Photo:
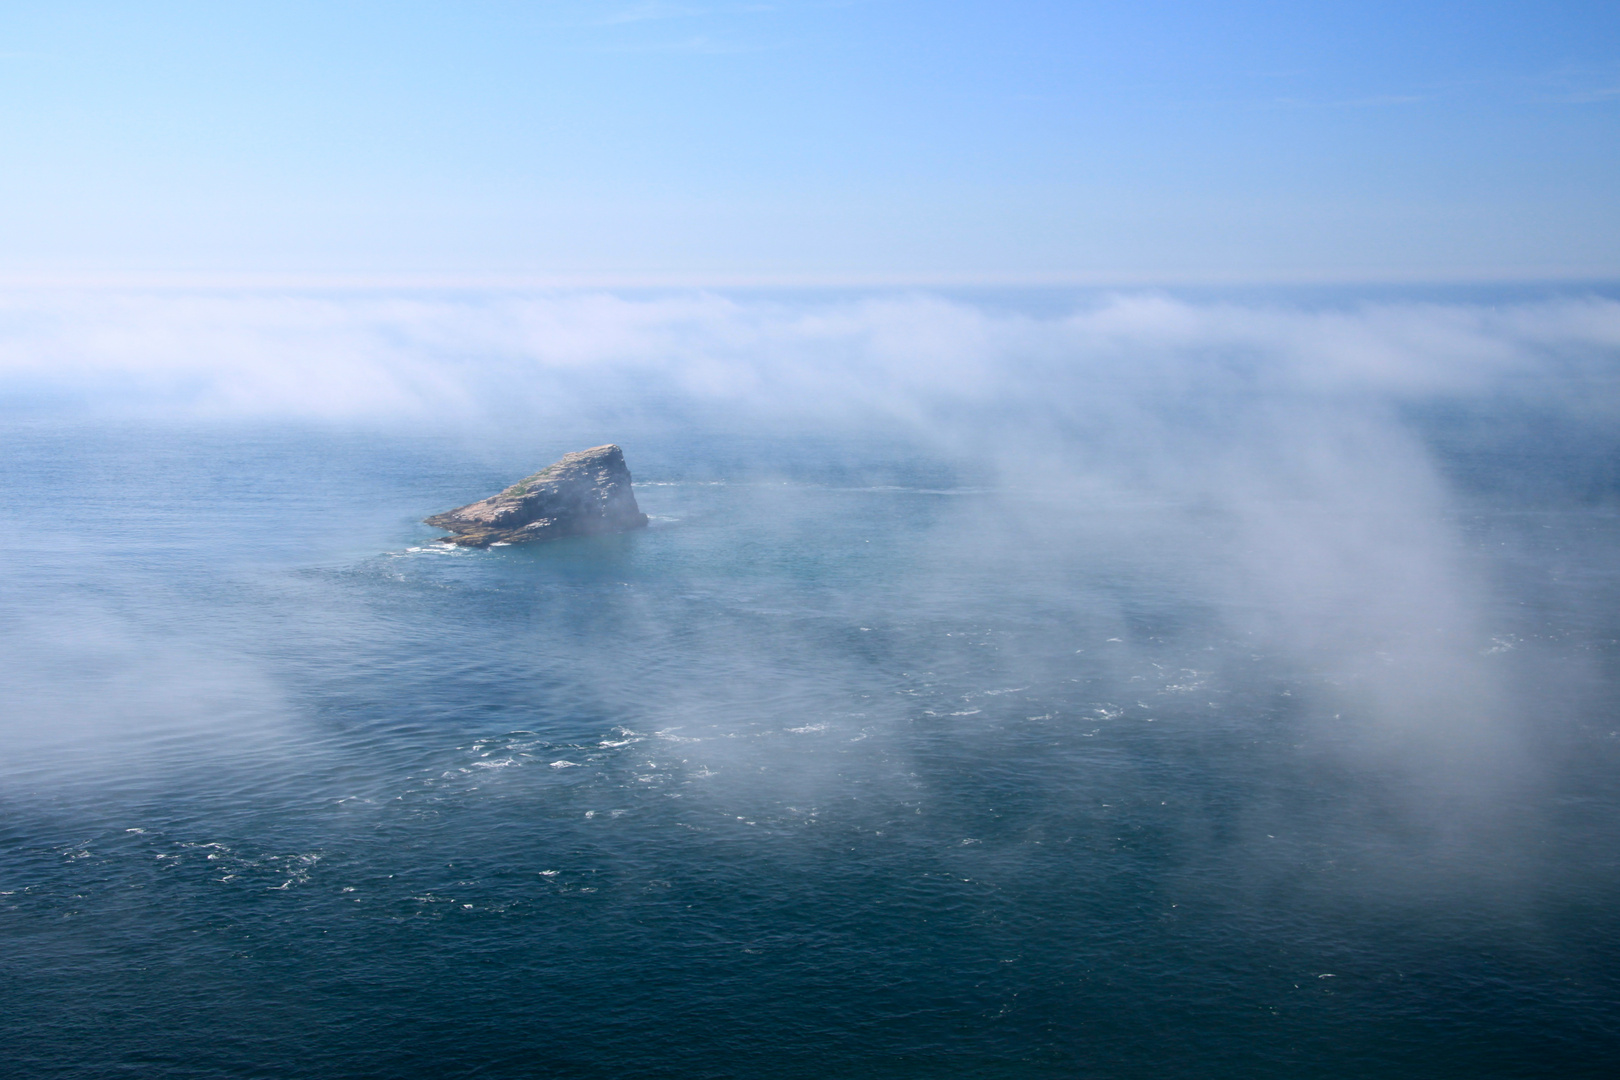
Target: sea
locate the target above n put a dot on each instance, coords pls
(1213, 721)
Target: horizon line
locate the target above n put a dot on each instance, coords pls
(562, 282)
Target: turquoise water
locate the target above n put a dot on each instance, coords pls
(862, 760)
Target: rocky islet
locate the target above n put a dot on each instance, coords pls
(584, 493)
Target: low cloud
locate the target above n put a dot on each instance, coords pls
(908, 358)
(1287, 467)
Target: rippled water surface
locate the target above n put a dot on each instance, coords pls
(856, 762)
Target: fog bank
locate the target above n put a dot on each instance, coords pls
(1304, 474)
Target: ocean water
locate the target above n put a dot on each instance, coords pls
(870, 757)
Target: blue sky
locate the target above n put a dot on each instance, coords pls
(881, 141)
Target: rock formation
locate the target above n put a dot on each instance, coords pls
(581, 494)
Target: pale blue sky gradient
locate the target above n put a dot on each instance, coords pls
(865, 141)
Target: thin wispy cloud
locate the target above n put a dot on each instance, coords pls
(698, 43)
(652, 12)
(1593, 96)
(1573, 84)
(660, 12)
(1371, 101)
(656, 11)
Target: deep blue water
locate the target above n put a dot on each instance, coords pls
(858, 762)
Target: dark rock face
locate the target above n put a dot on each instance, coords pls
(582, 494)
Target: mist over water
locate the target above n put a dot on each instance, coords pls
(1130, 685)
